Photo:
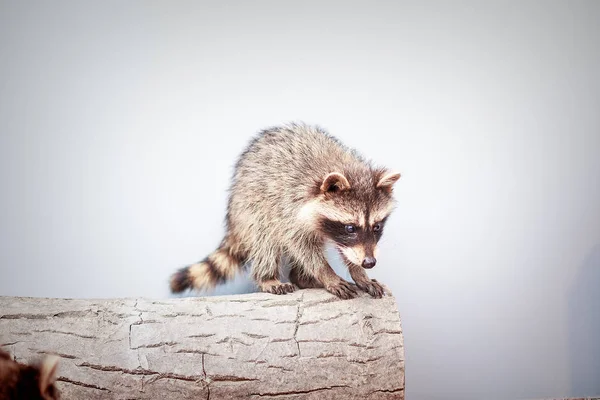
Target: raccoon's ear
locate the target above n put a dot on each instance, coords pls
(48, 370)
(334, 182)
(387, 180)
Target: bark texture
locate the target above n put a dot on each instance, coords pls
(304, 345)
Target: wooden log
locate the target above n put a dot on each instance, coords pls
(304, 345)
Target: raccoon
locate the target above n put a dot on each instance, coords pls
(31, 382)
(295, 189)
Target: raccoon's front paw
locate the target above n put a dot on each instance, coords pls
(279, 288)
(342, 289)
(372, 287)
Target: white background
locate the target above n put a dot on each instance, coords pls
(120, 123)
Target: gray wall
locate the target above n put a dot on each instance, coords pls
(120, 123)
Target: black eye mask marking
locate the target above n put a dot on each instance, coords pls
(338, 232)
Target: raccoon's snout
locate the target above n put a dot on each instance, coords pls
(369, 262)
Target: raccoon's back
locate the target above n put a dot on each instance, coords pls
(282, 166)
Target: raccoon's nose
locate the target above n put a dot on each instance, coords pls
(369, 262)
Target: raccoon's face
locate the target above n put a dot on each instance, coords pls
(351, 210)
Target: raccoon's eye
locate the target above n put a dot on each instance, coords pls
(376, 227)
(350, 229)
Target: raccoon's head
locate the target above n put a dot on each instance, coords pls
(350, 209)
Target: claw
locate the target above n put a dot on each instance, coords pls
(288, 288)
(344, 290)
(373, 288)
(282, 288)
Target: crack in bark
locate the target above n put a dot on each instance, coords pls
(175, 315)
(63, 314)
(368, 360)
(141, 321)
(74, 314)
(330, 355)
(281, 368)
(299, 311)
(242, 301)
(294, 392)
(159, 303)
(110, 368)
(10, 343)
(184, 351)
(154, 345)
(230, 378)
(24, 316)
(257, 362)
(155, 376)
(62, 355)
(226, 316)
(87, 385)
(143, 372)
(231, 340)
(291, 321)
(323, 341)
(279, 340)
(310, 323)
(255, 336)
(389, 331)
(205, 379)
(146, 322)
(66, 333)
(397, 390)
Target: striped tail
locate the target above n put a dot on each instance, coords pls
(219, 267)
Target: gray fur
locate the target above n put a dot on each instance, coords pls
(279, 173)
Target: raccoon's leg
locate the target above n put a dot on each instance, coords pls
(300, 278)
(333, 283)
(311, 269)
(363, 281)
(322, 275)
(266, 273)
